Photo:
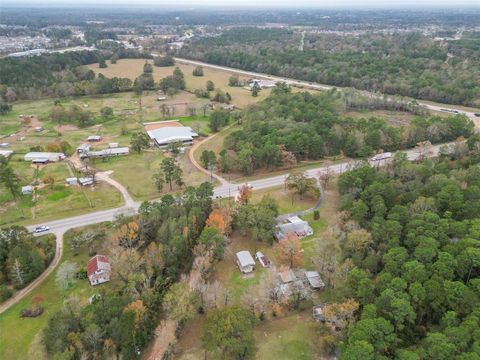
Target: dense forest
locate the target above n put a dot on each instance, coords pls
(288, 127)
(411, 233)
(406, 64)
(22, 258)
(148, 254)
(60, 75)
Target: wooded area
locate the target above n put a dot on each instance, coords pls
(405, 64)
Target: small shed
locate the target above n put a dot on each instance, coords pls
(71, 181)
(287, 276)
(245, 262)
(94, 138)
(27, 190)
(83, 148)
(6, 153)
(85, 181)
(113, 145)
(4, 145)
(314, 280)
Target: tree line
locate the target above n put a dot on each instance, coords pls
(408, 64)
(289, 127)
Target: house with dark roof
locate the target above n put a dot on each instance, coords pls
(98, 270)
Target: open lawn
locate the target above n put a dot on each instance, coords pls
(136, 171)
(131, 68)
(53, 202)
(287, 200)
(21, 338)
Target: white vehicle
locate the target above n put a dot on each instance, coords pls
(262, 259)
(381, 156)
(40, 229)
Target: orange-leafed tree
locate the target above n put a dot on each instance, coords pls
(139, 309)
(221, 220)
(291, 252)
(341, 314)
(244, 194)
(127, 235)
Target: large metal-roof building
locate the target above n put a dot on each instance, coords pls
(166, 135)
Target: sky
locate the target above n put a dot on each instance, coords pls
(256, 3)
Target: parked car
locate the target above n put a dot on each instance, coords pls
(262, 259)
(40, 229)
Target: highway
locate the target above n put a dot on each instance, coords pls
(322, 87)
(225, 190)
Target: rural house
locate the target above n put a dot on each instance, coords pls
(98, 270)
(43, 157)
(245, 262)
(294, 225)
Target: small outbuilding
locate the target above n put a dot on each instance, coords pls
(6, 153)
(294, 225)
(43, 157)
(27, 190)
(83, 148)
(314, 280)
(4, 145)
(245, 262)
(98, 270)
(94, 138)
(85, 181)
(71, 181)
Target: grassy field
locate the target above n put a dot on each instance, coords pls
(53, 202)
(21, 338)
(132, 68)
(136, 172)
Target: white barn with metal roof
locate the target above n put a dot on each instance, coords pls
(166, 135)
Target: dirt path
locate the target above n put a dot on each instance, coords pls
(105, 176)
(191, 156)
(19, 295)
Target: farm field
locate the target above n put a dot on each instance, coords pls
(131, 68)
(21, 338)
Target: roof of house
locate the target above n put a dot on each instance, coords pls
(314, 279)
(169, 134)
(245, 258)
(94, 138)
(295, 219)
(44, 155)
(301, 228)
(109, 152)
(287, 276)
(96, 263)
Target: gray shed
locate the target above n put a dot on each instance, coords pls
(245, 262)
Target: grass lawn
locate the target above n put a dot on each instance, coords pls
(287, 200)
(20, 338)
(290, 337)
(57, 202)
(132, 68)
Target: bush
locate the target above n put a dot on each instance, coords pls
(31, 313)
(5, 293)
(316, 215)
(166, 60)
(198, 71)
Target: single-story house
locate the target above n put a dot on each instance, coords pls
(293, 225)
(166, 135)
(6, 153)
(85, 181)
(27, 190)
(98, 270)
(43, 157)
(119, 151)
(83, 148)
(245, 262)
(71, 181)
(94, 138)
(314, 280)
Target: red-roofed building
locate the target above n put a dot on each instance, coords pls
(98, 270)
